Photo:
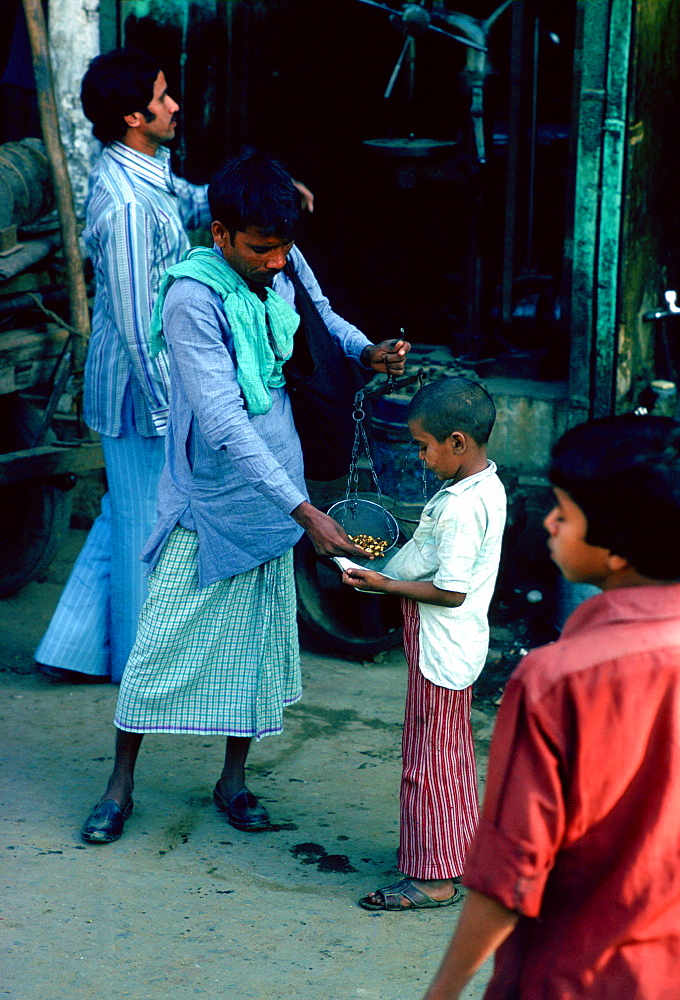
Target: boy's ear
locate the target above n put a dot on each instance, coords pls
(458, 442)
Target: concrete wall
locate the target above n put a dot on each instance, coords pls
(74, 40)
(530, 417)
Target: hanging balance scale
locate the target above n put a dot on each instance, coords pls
(348, 621)
(369, 523)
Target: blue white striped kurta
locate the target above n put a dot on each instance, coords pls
(137, 217)
(137, 212)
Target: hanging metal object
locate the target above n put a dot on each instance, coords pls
(357, 515)
(415, 19)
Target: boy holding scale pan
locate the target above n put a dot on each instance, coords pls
(445, 576)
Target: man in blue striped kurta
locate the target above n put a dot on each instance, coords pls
(137, 215)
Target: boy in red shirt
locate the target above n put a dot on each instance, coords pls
(574, 873)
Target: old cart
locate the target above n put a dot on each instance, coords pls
(38, 466)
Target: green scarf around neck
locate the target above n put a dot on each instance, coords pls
(259, 365)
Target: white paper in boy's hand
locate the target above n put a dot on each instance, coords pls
(344, 564)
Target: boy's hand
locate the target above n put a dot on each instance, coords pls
(366, 579)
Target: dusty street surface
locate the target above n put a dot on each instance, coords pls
(184, 905)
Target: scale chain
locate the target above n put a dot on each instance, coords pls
(360, 437)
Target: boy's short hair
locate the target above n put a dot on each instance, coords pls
(255, 190)
(454, 404)
(624, 474)
(117, 83)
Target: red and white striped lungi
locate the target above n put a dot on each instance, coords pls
(439, 807)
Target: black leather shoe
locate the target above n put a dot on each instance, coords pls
(105, 823)
(244, 811)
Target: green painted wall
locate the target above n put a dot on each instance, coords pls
(650, 259)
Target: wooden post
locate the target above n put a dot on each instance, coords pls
(80, 316)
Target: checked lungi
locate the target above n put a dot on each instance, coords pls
(439, 806)
(222, 659)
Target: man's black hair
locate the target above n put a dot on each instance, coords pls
(624, 474)
(454, 404)
(116, 84)
(255, 190)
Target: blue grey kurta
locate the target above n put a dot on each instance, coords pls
(231, 477)
(216, 650)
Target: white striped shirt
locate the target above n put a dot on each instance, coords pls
(137, 214)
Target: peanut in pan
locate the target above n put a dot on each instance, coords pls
(376, 546)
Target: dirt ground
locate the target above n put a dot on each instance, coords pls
(184, 905)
